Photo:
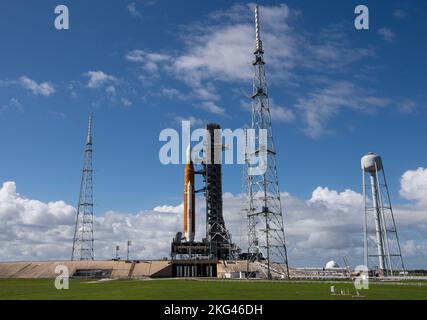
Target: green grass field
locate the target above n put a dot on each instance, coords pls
(202, 289)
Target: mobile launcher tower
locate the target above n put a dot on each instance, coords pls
(192, 258)
(382, 254)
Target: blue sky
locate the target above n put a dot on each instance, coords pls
(45, 139)
(141, 66)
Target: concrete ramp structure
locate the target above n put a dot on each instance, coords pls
(111, 269)
(139, 269)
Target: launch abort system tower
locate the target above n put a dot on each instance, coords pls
(83, 248)
(262, 205)
(381, 242)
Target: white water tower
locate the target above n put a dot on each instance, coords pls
(381, 243)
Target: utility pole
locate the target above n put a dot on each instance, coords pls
(129, 243)
(117, 252)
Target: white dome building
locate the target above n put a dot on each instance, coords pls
(331, 265)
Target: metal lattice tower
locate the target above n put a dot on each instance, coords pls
(381, 242)
(262, 205)
(83, 248)
(216, 232)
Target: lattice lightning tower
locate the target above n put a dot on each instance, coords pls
(262, 205)
(83, 248)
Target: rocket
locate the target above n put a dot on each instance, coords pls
(189, 199)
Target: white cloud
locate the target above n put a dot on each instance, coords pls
(224, 53)
(197, 122)
(387, 34)
(13, 104)
(400, 14)
(99, 79)
(149, 60)
(329, 49)
(211, 107)
(320, 106)
(219, 49)
(413, 185)
(126, 102)
(31, 229)
(72, 89)
(222, 48)
(43, 88)
(206, 92)
(281, 114)
(169, 209)
(407, 106)
(132, 9)
(172, 93)
(59, 115)
(32, 212)
(413, 248)
(110, 89)
(324, 227)
(345, 200)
